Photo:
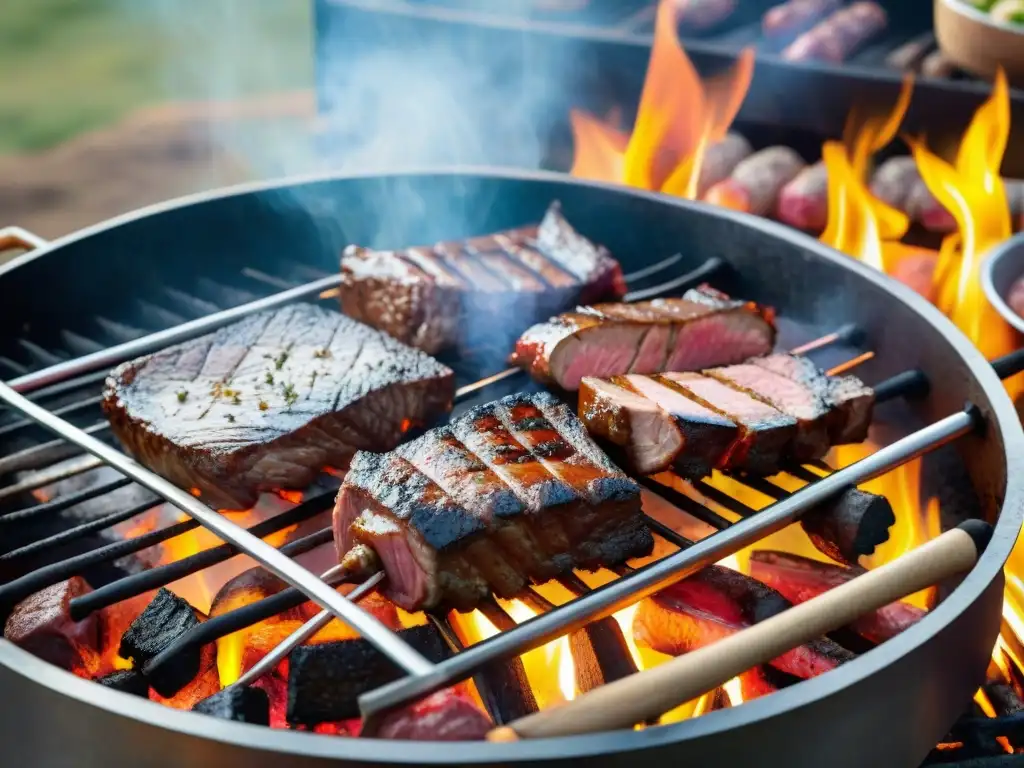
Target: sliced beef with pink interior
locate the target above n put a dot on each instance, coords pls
(484, 290)
(850, 401)
(617, 415)
(765, 433)
(42, 625)
(703, 329)
(790, 397)
(441, 543)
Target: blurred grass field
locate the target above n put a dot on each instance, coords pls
(68, 66)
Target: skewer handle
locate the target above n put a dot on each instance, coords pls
(648, 694)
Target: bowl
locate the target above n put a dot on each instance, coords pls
(976, 43)
(999, 271)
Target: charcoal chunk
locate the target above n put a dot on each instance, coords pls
(849, 525)
(126, 681)
(238, 703)
(324, 680)
(165, 619)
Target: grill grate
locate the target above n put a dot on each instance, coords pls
(590, 604)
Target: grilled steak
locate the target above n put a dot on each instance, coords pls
(851, 402)
(511, 492)
(270, 401)
(705, 328)
(752, 417)
(437, 297)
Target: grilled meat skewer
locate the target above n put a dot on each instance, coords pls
(551, 501)
(751, 417)
(433, 297)
(704, 328)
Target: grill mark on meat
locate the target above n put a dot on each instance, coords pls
(268, 402)
(440, 456)
(471, 269)
(441, 540)
(851, 402)
(553, 274)
(707, 434)
(598, 485)
(483, 433)
(765, 433)
(804, 405)
(701, 330)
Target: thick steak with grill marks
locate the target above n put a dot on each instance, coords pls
(270, 401)
(704, 328)
(752, 417)
(477, 291)
(511, 492)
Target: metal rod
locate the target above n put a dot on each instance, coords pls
(654, 269)
(154, 341)
(649, 579)
(99, 524)
(53, 474)
(64, 502)
(162, 575)
(684, 503)
(64, 410)
(375, 632)
(306, 631)
(49, 452)
(688, 280)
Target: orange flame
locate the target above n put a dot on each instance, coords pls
(972, 190)
(679, 115)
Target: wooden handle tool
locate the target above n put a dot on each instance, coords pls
(646, 695)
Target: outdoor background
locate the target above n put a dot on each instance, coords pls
(108, 105)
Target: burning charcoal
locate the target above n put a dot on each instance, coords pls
(600, 655)
(448, 715)
(200, 687)
(799, 579)
(326, 679)
(42, 625)
(238, 703)
(717, 602)
(126, 681)
(165, 619)
(849, 525)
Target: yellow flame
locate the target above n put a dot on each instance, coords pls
(734, 691)
(972, 190)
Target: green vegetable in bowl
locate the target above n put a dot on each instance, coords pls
(1008, 11)
(981, 5)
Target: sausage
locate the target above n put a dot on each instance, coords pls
(898, 183)
(756, 182)
(840, 35)
(916, 270)
(720, 161)
(803, 202)
(789, 19)
(703, 14)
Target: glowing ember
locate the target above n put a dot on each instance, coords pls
(679, 115)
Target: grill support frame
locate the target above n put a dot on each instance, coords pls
(783, 721)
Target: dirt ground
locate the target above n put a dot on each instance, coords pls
(152, 155)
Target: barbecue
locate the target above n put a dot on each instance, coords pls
(433, 298)
(702, 329)
(755, 272)
(565, 504)
(268, 402)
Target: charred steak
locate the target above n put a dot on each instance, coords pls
(511, 492)
(702, 329)
(753, 416)
(468, 291)
(270, 401)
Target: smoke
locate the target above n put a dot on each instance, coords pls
(392, 93)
